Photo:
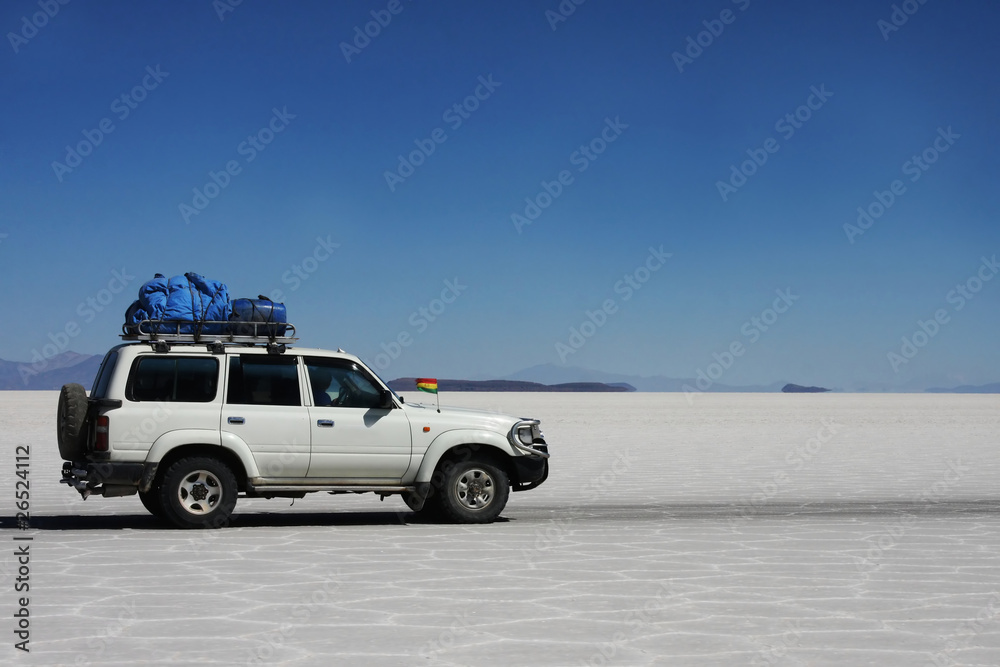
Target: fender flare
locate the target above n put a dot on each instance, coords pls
(495, 442)
(174, 439)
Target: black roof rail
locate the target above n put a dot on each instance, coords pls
(213, 333)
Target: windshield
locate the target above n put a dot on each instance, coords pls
(386, 384)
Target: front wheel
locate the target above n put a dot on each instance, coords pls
(198, 492)
(472, 491)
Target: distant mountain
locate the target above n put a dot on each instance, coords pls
(409, 384)
(799, 389)
(51, 373)
(553, 374)
(993, 388)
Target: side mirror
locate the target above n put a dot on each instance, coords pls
(386, 402)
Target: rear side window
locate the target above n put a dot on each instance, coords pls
(103, 379)
(263, 380)
(174, 379)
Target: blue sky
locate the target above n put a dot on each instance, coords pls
(642, 139)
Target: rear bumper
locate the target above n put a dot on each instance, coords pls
(108, 479)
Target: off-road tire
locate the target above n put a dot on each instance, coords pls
(471, 491)
(431, 512)
(198, 492)
(151, 501)
(71, 420)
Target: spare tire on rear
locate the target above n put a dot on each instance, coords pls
(71, 417)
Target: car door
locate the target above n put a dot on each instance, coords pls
(354, 440)
(264, 409)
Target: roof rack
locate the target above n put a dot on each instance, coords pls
(210, 332)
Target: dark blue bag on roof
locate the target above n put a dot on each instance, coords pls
(246, 312)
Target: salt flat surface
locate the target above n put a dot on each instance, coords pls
(767, 529)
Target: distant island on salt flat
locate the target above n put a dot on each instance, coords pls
(799, 389)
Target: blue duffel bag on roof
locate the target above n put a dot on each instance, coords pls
(174, 303)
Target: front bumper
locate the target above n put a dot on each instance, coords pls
(530, 471)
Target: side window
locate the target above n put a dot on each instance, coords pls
(256, 379)
(174, 379)
(339, 383)
(103, 379)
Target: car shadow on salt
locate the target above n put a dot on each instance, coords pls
(238, 520)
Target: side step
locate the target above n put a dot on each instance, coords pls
(346, 488)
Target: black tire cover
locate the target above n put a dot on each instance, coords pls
(71, 416)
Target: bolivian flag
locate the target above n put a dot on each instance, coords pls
(430, 385)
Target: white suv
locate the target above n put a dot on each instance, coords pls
(191, 424)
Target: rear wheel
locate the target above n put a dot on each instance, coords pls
(472, 491)
(151, 501)
(198, 492)
(71, 415)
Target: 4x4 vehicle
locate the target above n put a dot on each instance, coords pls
(191, 424)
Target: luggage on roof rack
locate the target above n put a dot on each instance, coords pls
(192, 309)
(248, 314)
(199, 305)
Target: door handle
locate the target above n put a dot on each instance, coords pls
(237, 420)
(324, 422)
